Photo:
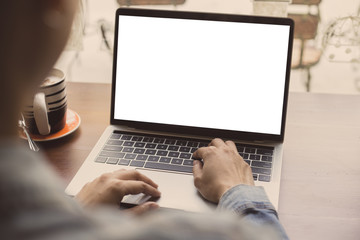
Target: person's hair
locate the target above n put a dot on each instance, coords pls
(29, 45)
(27, 42)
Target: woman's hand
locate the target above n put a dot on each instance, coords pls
(222, 169)
(110, 188)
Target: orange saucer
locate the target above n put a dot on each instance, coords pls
(73, 121)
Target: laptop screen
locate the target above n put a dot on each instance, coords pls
(209, 74)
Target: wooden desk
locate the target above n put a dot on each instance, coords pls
(92, 103)
(320, 193)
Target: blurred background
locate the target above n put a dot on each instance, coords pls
(326, 56)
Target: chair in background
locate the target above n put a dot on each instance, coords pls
(309, 4)
(305, 54)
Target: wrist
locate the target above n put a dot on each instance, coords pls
(242, 197)
(226, 188)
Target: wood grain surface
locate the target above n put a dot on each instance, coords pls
(92, 103)
(320, 193)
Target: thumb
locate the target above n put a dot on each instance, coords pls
(143, 208)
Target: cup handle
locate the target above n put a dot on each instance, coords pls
(40, 113)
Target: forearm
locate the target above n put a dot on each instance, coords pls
(253, 205)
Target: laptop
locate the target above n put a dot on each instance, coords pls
(181, 79)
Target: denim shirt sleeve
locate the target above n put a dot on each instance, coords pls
(253, 205)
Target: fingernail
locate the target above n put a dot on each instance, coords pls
(154, 206)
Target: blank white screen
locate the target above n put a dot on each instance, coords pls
(209, 74)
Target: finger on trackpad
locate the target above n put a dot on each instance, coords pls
(137, 199)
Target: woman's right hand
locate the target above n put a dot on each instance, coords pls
(221, 169)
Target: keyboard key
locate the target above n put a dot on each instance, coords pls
(115, 136)
(247, 161)
(203, 144)
(261, 164)
(135, 163)
(188, 162)
(159, 140)
(139, 144)
(181, 143)
(184, 149)
(139, 151)
(170, 141)
(168, 167)
(165, 159)
(130, 156)
(173, 148)
(267, 158)
(264, 178)
(162, 153)
(148, 139)
(112, 148)
(101, 159)
(111, 154)
(177, 161)
(255, 176)
(136, 138)
(141, 157)
(193, 150)
(161, 147)
(115, 142)
(126, 137)
(244, 155)
(174, 154)
(128, 144)
(265, 152)
(153, 158)
(150, 145)
(112, 161)
(192, 144)
(250, 150)
(240, 149)
(128, 150)
(150, 152)
(255, 157)
(124, 162)
(264, 171)
(185, 155)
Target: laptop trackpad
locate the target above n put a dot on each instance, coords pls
(177, 191)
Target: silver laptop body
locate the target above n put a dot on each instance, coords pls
(195, 76)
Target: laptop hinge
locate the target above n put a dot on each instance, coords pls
(265, 142)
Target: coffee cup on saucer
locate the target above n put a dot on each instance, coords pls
(45, 112)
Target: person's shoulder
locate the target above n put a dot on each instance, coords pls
(173, 224)
(14, 157)
(25, 174)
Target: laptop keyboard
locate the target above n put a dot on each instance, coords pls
(174, 154)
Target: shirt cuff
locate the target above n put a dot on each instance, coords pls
(241, 198)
